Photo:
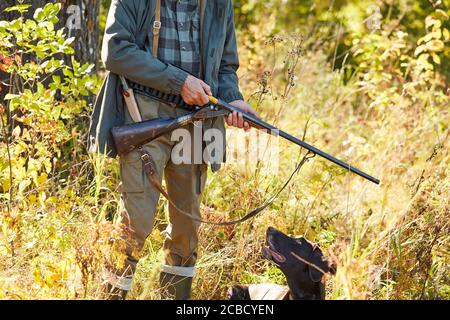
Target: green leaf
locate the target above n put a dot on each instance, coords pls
(68, 73)
(431, 21)
(419, 50)
(22, 8)
(69, 41)
(39, 15)
(435, 46)
(436, 58)
(441, 14)
(10, 96)
(426, 38)
(446, 34)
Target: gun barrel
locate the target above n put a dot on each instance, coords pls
(263, 125)
(328, 157)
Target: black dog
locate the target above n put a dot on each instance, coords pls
(303, 264)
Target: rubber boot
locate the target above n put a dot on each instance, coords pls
(113, 293)
(175, 287)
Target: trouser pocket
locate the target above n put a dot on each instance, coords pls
(138, 204)
(131, 173)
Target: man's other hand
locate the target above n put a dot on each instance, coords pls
(236, 119)
(195, 92)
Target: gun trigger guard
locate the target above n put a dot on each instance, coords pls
(201, 114)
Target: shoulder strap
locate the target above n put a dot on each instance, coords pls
(150, 172)
(156, 28)
(127, 92)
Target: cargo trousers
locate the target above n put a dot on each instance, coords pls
(139, 198)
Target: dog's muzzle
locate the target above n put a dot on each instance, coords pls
(271, 254)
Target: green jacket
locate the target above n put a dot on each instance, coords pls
(123, 53)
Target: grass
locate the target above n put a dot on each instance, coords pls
(388, 242)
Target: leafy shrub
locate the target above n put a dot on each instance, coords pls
(50, 225)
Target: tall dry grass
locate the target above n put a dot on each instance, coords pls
(388, 242)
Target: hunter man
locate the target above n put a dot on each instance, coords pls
(185, 48)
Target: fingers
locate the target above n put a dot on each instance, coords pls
(240, 120)
(206, 92)
(237, 120)
(190, 99)
(206, 88)
(198, 100)
(201, 99)
(195, 91)
(229, 119)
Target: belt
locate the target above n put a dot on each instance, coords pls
(172, 99)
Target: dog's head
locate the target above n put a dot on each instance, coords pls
(303, 263)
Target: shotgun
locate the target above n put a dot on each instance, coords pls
(129, 137)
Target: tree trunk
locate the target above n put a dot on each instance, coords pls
(79, 17)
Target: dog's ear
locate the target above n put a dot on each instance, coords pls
(317, 259)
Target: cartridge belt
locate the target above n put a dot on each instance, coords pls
(172, 99)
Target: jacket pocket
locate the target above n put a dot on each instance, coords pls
(148, 107)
